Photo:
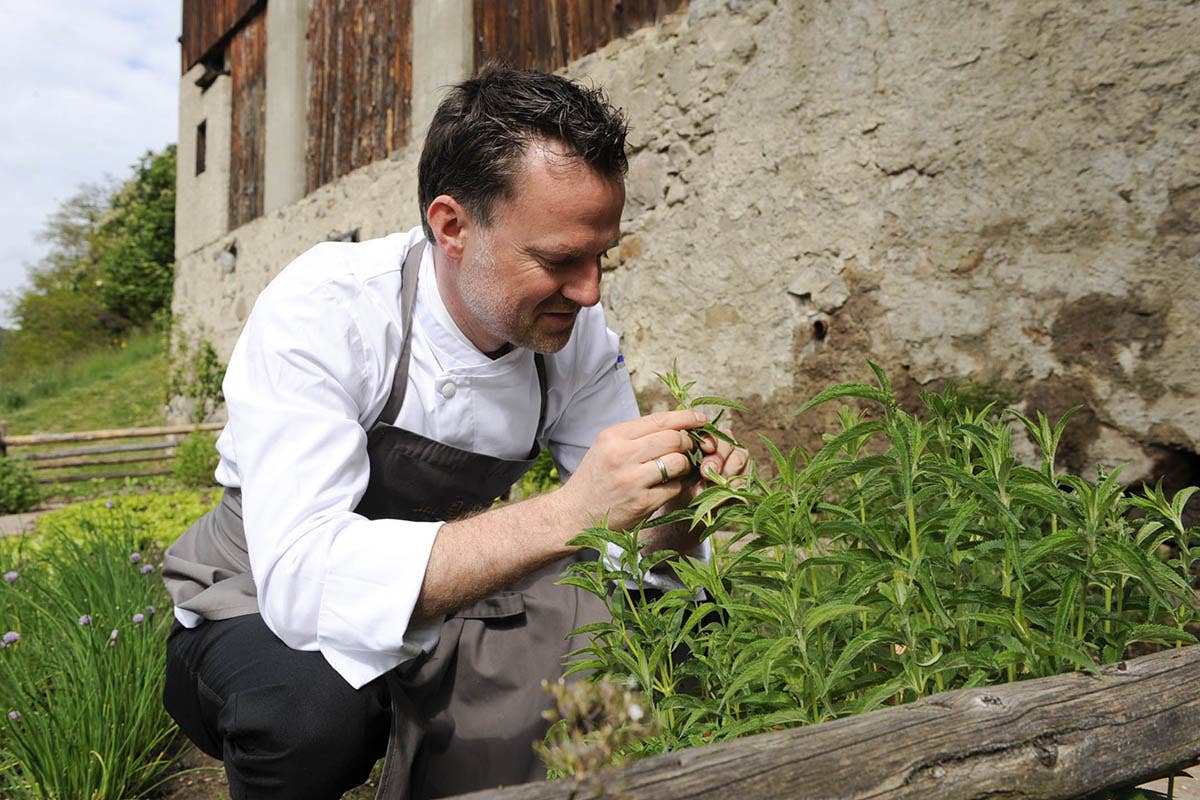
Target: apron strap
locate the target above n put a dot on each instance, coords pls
(409, 275)
(408, 294)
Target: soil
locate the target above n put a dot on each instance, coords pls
(199, 777)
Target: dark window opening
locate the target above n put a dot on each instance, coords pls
(201, 145)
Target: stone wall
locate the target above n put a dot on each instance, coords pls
(1002, 193)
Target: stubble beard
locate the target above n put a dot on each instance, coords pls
(484, 298)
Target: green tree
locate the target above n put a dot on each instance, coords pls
(135, 242)
(109, 267)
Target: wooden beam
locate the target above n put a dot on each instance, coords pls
(100, 449)
(1058, 737)
(99, 462)
(123, 433)
(104, 476)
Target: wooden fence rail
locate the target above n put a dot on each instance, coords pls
(48, 464)
(1060, 737)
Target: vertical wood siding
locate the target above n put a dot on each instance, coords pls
(248, 73)
(360, 84)
(207, 22)
(549, 34)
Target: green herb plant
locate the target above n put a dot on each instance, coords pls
(18, 488)
(909, 555)
(196, 460)
(82, 664)
(682, 393)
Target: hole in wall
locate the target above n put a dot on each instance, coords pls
(201, 145)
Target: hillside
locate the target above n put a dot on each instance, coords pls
(109, 389)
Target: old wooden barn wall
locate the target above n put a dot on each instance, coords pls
(248, 72)
(360, 84)
(549, 34)
(207, 22)
(359, 56)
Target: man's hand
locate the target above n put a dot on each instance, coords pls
(721, 460)
(620, 479)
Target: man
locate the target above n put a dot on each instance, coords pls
(350, 592)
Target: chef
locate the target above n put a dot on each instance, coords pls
(355, 591)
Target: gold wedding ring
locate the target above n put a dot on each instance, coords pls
(662, 470)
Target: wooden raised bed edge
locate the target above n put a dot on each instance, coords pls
(1059, 737)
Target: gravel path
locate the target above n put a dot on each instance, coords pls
(16, 524)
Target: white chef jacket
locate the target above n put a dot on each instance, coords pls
(310, 374)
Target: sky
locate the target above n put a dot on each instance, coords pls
(86, 88)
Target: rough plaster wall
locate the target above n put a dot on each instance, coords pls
(1003, 193)
(205, 197)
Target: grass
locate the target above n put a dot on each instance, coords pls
(111, 388)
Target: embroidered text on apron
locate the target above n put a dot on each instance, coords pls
(464, 717)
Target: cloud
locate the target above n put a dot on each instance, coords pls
(87, 89)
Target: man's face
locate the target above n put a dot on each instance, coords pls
(524, 277)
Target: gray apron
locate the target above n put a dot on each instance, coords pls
(465, 716)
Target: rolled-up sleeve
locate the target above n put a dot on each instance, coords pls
(299, 388)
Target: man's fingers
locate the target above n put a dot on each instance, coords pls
(736, 463)
(661, 421)
(667, 469)
(660, 443)
(727, 462)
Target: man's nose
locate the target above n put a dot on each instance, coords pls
(583, 285)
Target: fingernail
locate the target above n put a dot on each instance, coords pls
(701, 418)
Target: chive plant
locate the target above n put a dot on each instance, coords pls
(911, 554)
(82, 668)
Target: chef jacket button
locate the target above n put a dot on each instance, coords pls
(448, 389)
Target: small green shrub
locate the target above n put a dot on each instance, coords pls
(541, 477)
(196, 459)
(196, 373)
(19, 490)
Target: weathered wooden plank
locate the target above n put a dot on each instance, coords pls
(1059, 737)
(360, 84)
(549, 34)
(102, 461)
(248, 132)
(89, 476)
(113, 433)
(206, 23)
(104, 449)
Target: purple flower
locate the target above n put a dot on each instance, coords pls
(138, 619)
(12, 637)
(86, 619)
(147, 569)
(14, 715)
(151, 611)
(11, 576)
(135, 558)
(109, 504)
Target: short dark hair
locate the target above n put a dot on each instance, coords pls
(480, 132)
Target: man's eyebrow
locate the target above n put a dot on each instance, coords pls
(567, 254)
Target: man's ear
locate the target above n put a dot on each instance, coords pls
(449, 222)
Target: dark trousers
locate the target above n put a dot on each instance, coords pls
(231, 682)
(287, 725)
